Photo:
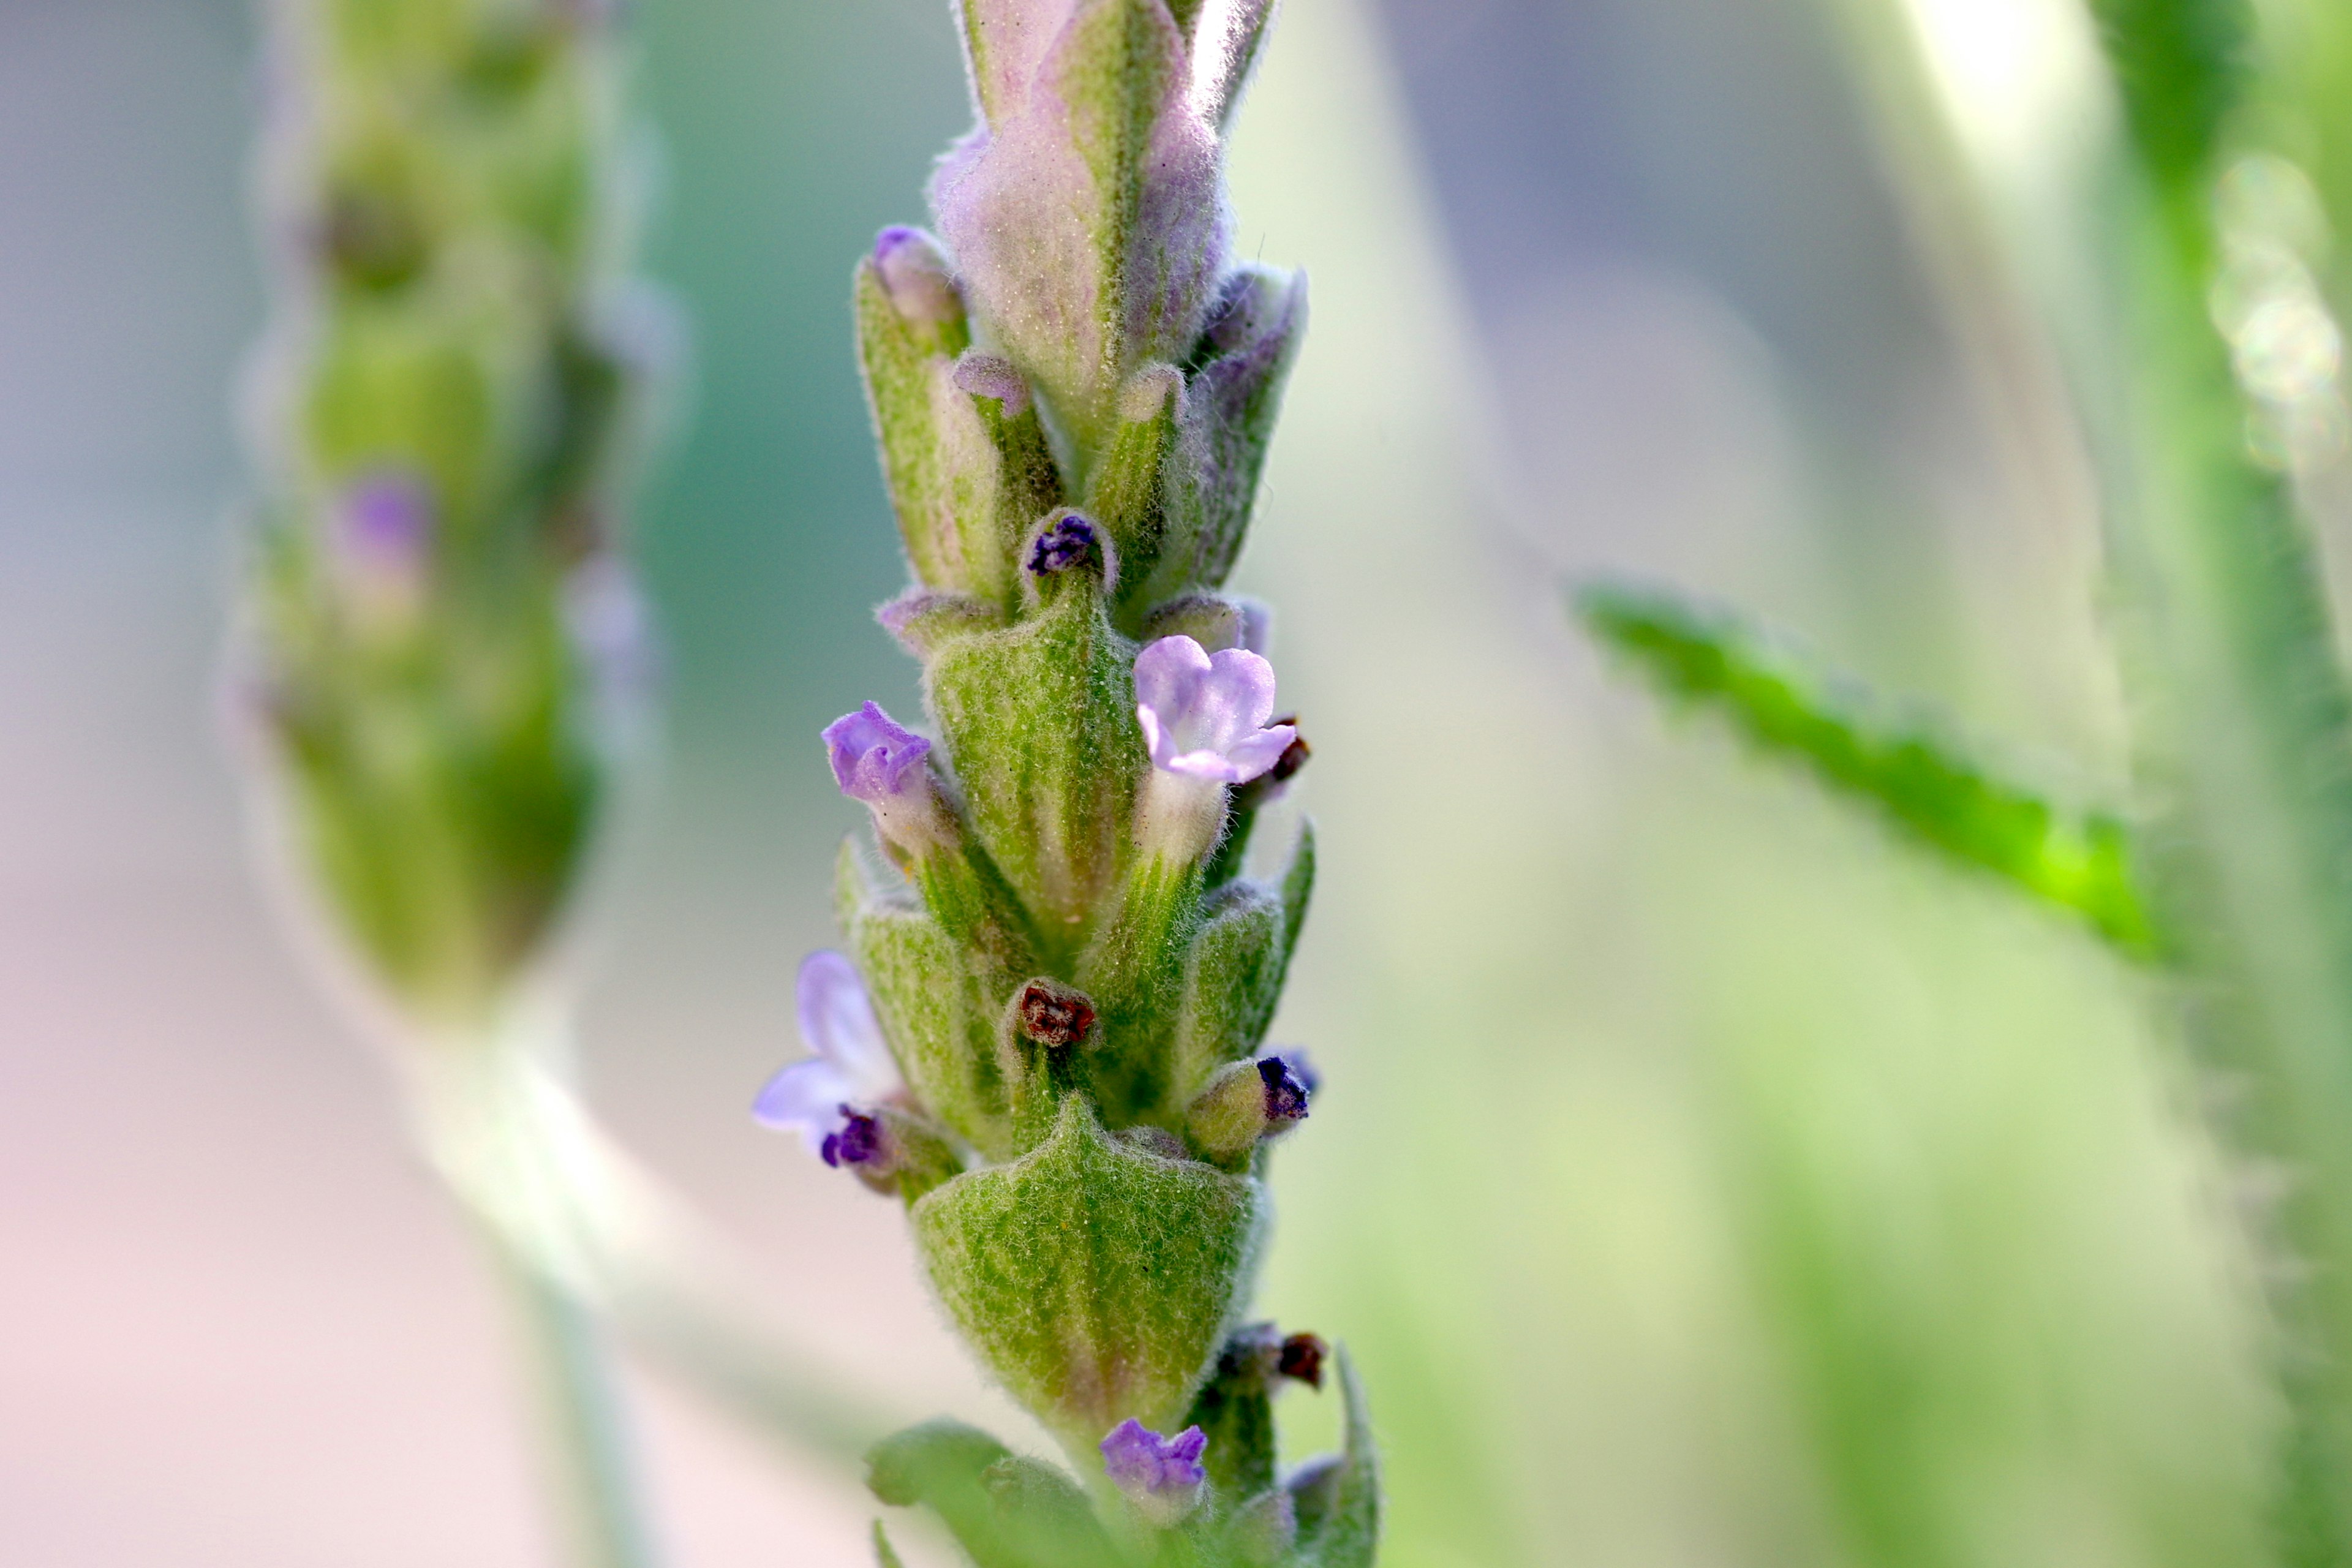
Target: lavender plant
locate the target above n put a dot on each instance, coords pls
(2202, 359)
(1048, 1036)
(443, 649)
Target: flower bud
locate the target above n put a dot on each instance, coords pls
(1232, 402)
(877, 762)
(1245, 1105)
(966, 459)
(1069, 541)
(914, 274)
(1087, 210)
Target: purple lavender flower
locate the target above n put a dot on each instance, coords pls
(914, 274)
(1204, 715)
(881, 762)
(829, 1098)
(1162, 1476)
(1064, 542)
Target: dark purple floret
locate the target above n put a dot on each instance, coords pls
(1067, 541)
(1285, 1092)
(859, 1141)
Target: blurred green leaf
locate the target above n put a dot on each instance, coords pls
(1704, 659)
(2182, 66)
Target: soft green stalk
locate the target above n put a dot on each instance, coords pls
(2244, 731)
(513, 1142)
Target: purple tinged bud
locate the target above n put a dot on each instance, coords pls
(1088, 209)
(873, 754)
(916, 275)
(857, 1143)
(1162, 1476)
(988, 375)
(1286, 1093)
(1065, 543)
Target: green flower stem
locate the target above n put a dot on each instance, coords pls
(593, 1484)
(570, 1212)
(2244, 723)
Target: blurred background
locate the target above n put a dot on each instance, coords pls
(1701, 1180)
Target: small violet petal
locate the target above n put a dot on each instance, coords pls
(1204, 715)
(873, 756)
(1146, 1466)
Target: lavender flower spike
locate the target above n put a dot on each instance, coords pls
(1162, 1476)
(829, 1098)
(879, 761)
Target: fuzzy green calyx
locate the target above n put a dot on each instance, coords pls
(1096, 1279)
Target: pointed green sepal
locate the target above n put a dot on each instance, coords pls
(1096, 1279)
(1127, 492)
(1336, 1500)
(1005, 1511)
(1040, 720)
(930, 1007)
(1232, 978)
(1135, 972)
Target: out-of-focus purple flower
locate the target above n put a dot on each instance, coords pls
(378, 551)
(848, 1074)
(879, 761)
(916, 275)
(1204, 715)
(1162, 1476)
